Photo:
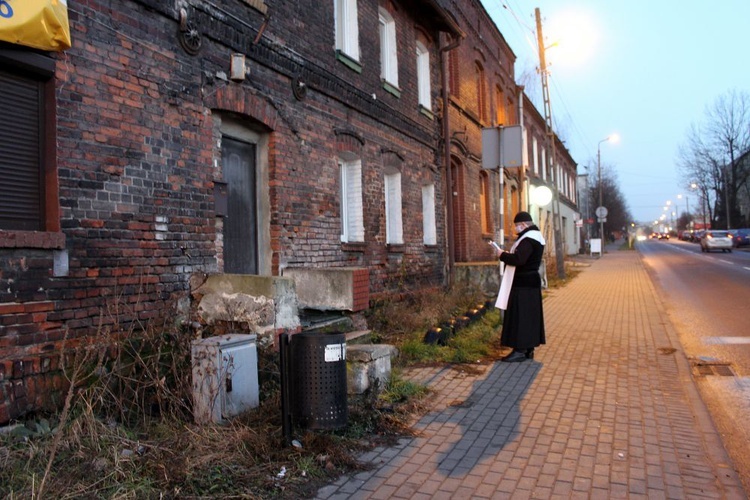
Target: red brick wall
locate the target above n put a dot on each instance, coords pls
(136, 157)
(361, 290)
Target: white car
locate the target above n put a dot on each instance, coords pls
(716, 240)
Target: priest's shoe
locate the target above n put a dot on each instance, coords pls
(515, 357)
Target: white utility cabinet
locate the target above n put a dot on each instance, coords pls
(225, 376)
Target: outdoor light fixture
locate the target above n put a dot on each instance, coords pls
(541, 196)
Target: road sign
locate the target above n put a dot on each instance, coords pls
(601, 212)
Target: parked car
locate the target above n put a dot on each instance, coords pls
(697, 235)
(685, 235)
(740, 237)
(716, 240)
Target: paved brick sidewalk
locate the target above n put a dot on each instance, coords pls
(608, 409)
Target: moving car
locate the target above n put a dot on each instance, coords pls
(716, 240)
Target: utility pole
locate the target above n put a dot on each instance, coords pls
(559, 252)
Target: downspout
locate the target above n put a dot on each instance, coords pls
(522, 178)
(447, 156)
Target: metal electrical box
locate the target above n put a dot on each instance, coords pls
(225, 376)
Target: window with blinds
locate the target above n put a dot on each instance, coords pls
(423, 76)
(22, 145)
(429, 228)
(352, 219)
(388, 48)
(394, 234)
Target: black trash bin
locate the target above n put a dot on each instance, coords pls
(318, 366)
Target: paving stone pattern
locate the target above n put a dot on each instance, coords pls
(602, 412)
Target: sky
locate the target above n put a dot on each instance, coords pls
(645, 70)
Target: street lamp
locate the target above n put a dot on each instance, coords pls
(614, 138)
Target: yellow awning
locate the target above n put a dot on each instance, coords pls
(42, 24)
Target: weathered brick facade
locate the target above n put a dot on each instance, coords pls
(140, 124)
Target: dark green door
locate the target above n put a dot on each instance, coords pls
(241, 223)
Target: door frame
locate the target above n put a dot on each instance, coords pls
(248, 131)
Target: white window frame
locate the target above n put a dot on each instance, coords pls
(535, 154)
(394, 233)
(352, 217)
(429, 227)
(347, 27)
(388, 47)
(423, 76)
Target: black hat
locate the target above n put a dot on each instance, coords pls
(522, 217)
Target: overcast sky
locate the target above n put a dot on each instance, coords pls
(643, 69)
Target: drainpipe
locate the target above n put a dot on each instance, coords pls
(447, 155)
(522, 178)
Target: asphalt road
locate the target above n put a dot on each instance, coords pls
(708, 302)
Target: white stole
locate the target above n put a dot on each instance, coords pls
(507, 272)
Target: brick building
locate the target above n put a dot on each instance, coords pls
(177, 140)
(482, 93)
(560, 175)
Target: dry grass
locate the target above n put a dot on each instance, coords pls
(126, 431)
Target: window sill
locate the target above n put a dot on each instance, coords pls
(396, 247)
(32, 239)
(431, 248)
(354, 246)
(426, 112)
(349, 62)
(392, 89)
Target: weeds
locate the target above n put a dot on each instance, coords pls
(126, 431)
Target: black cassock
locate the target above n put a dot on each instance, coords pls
(523, 322)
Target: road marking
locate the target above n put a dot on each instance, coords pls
(726, 340)
(748, 268)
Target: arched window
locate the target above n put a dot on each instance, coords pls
(501, 117)
(453, 69)
(423, 76)
(481, 91)
(484, 203)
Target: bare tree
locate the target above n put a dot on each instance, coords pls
(709, 158)
(618, 213)
(696, 166)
